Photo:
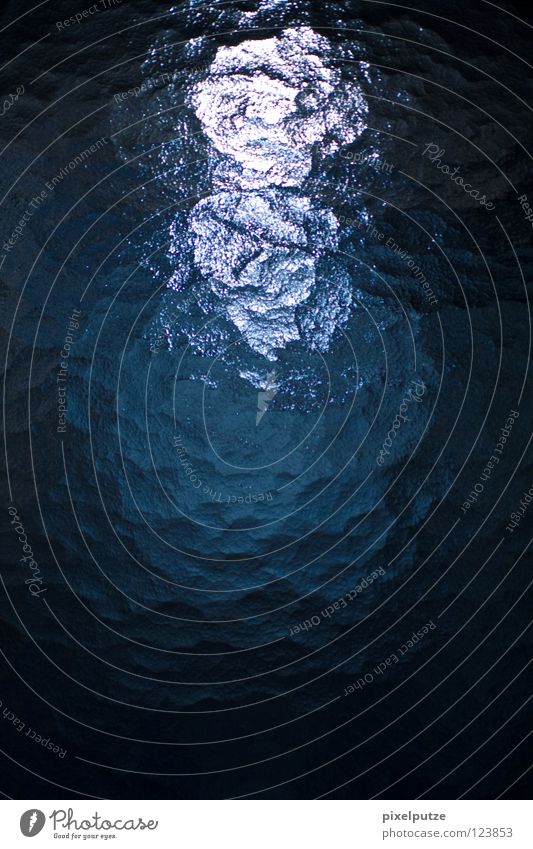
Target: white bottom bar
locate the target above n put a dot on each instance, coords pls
(267, 824)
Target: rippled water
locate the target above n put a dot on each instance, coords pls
(265, 105)
(248, 248)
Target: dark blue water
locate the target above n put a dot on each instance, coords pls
(267, 400)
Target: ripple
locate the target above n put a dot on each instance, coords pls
(264, 106)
